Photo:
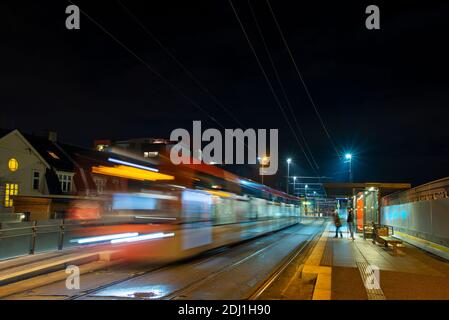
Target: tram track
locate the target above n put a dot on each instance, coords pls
(302, 249)
(197, 262)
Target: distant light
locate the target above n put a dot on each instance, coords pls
(265, 161)
(289, 160)
(126, 163)
(306, 186)
(294, 178)
(348, 156)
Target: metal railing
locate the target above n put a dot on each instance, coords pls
(23, 238)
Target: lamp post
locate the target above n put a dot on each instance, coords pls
(288, 172)
(348, 157)
(294, 185)
(305, 206)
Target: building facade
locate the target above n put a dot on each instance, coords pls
(40, 176)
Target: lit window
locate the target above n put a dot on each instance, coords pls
(66, 182)
(13, 164)
(36, 180)
(11, 189)
(150, 154)
(53, 155)
(102, 147)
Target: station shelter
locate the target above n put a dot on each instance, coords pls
(365, 199)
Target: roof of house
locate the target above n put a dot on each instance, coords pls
(51, 153)
(74, 159)
(66, 157)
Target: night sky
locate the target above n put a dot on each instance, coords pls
(382, 94)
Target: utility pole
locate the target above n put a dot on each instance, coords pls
(288, 172)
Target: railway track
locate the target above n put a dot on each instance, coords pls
(245, 252)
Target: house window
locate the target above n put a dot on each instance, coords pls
(53, 155)
(11, 189)
(102, 147)
(13, 164)
(150, 154)
(66, 182)
(36, 180)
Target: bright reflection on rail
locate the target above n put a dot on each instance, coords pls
(142, 292)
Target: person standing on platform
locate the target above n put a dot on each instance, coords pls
(337, 223)
(350, 221)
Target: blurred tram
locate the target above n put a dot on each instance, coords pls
(174, 220)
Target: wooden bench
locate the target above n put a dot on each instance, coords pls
(391, 240)
(383, 235)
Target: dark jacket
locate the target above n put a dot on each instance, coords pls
(350, 217)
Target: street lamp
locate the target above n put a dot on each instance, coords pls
(289, 160)
(305, 203)
(348, 157)
(294, 185)
(264, 161)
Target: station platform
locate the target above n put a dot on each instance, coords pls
(346, 269)
(361, 270)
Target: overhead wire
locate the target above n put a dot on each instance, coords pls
(278, 78)
(323, 125)
(276, 98)
(159, 75)
(180, 64)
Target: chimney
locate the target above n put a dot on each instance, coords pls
(53, 136)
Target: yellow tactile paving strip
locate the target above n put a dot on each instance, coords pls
(323, 274)
(425, 242)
